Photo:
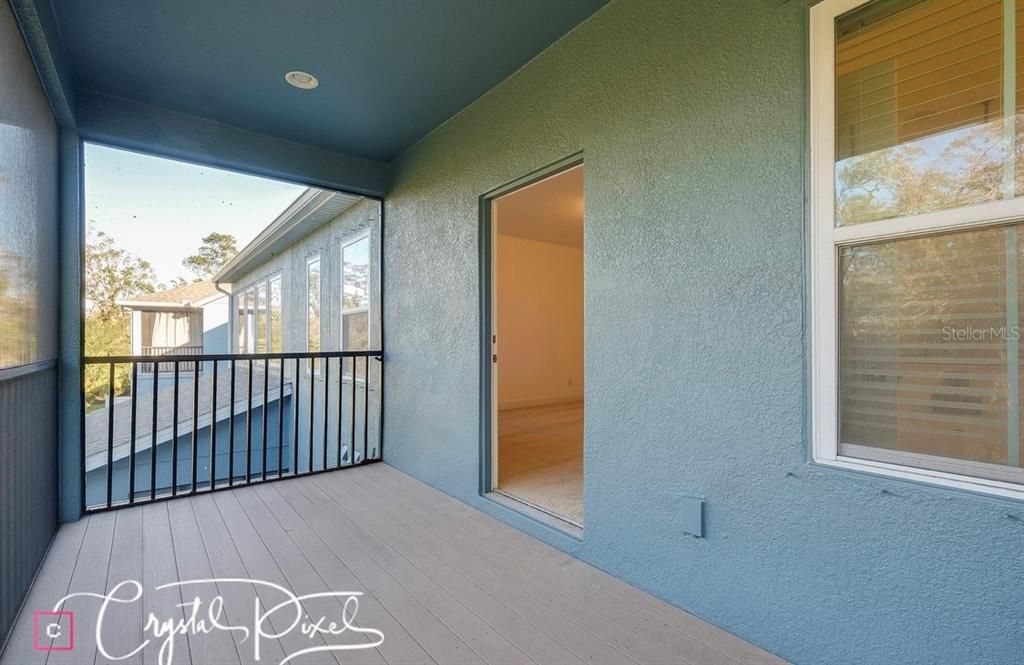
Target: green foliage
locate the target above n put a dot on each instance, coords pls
(106, 336)
(111, 274)
(217, 249)
(18, 310)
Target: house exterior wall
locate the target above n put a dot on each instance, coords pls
(692, 121)
(216, 326)
(291, 266)
(28, 277)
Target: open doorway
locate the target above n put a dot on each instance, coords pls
(537, 354)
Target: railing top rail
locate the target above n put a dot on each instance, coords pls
(299, 355)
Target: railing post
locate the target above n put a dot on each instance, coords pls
(174, 435)
(195, 423)
(295, 420)
(312, 409)
(213, 429)
(152, 444)
(266, 415)
(231, 430)
(341, 391)
(248, 429)
(352, 423)
(366, 404)
(327, 411)
(131, 444)
(110, 436)
(280, 418)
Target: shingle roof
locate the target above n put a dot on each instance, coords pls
(97, 422)
(186, 294)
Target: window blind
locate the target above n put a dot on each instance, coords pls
(924, 344)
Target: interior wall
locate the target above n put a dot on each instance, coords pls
(539, 289)
(28, 282)
(692, 121)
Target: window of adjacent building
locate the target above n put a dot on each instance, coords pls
(275, 315)
(259, 316)
(250, 320)
(918, 274)
(355, 301)
(313, 307)
(240, 321)
(262, 310)
(166, 330)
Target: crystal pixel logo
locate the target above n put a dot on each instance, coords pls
(53, 631)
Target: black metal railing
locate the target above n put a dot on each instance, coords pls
(221, 421)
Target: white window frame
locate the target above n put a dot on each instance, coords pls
(826, 240)
(315, 257)
(271, 278)
(249, 321)
(351, 240)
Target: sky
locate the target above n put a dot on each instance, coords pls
(160, 209)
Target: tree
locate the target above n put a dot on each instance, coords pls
(217, 249)
(112, 273)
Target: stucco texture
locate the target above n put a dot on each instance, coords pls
(691, 118)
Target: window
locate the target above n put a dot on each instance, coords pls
(313, 307)
(240, 318)
(262, 308)
(250, 320)
(275, 315)
(355, 301)
(259, 317)
(917, 158)
(167, 330)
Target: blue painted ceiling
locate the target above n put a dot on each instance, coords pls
(390, 70)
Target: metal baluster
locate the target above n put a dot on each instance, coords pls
(110, 436)
(195, 423)
(266, 379)
(295, 419)
(352, 436)
(131, 444)
(341, 392)
(174, 436)
(366, 404)
(380, 408)
(312, 408)
(248, 430)
(152, 445)
(280, 417)
(327, 411)
(213, 430)
(231, 429)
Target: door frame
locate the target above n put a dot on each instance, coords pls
(487, 347)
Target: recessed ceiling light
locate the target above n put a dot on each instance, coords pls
(303, 80)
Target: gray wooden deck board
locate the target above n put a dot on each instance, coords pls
(452, 539)
(444, 582)
(400, 648)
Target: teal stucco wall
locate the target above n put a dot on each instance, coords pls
(692, 120)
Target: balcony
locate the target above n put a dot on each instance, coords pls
(441, 581)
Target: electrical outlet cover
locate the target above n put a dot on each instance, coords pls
(692, 509)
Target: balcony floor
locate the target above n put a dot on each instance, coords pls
(443, 582)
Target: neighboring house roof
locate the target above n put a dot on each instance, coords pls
(311, 210)
(186, 296)
(97, 423)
